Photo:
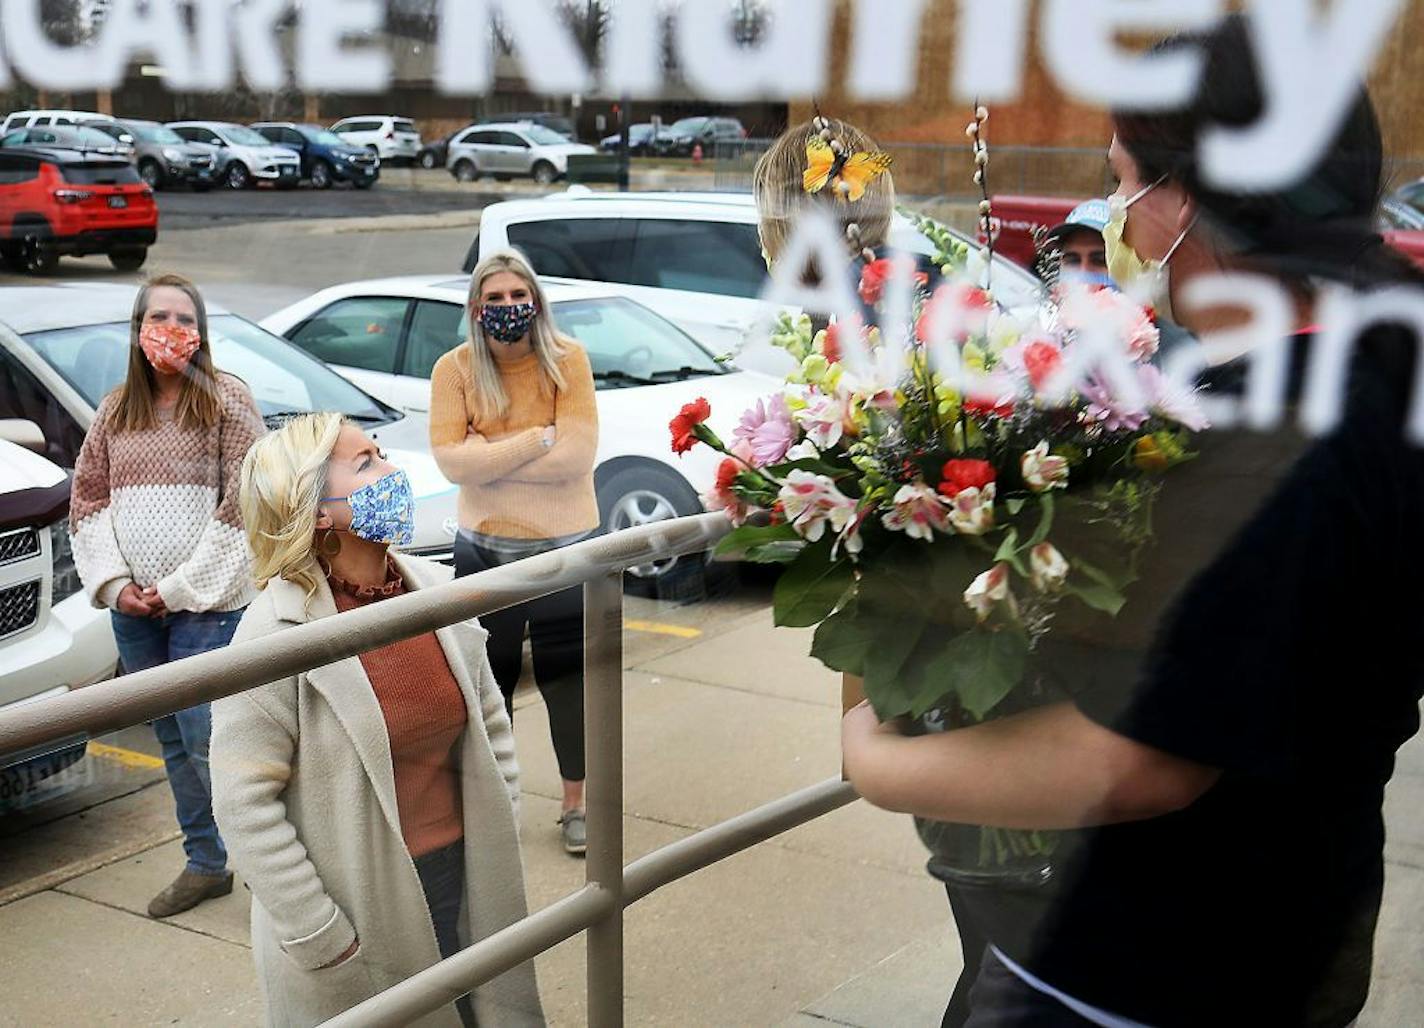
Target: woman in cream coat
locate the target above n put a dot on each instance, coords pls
(308, 770)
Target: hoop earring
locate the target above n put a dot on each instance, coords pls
(330, 544)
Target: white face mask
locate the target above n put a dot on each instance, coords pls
(1146, 281)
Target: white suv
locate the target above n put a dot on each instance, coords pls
(695, 258)
(514, 148)
(389, 137)
(51, 639)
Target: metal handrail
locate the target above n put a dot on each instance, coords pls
(610, 887)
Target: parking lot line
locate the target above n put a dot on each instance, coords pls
(659, 628)
(128, 758)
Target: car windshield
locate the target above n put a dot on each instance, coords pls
(688, 126)
(627, 341)
(323, 136)
(244, 136)
(93, 359)
(544, 136)
(161, 134)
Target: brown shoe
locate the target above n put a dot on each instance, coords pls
(187, 891)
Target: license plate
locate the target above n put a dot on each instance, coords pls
(118, 201)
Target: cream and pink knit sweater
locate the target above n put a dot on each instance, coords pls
(159, 507)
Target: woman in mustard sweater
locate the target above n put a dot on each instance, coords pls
(513, 423)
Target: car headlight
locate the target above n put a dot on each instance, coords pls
(65, 576)
(173, 155)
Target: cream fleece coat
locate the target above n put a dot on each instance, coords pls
(304, 795)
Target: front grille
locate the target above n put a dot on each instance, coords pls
(18, 545)
(365, 159)
(19, 607)
(200, 162)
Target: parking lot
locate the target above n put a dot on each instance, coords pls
(835, 922)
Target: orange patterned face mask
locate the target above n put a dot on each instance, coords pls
(168, 348)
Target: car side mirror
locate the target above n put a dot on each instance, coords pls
(24, 433)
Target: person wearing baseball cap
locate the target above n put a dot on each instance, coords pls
(1078, 245)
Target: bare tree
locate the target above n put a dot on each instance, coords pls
(589, 21)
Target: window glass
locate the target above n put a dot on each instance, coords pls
(244, 136)
(359, 332)
(591, 248)
(283, 379)
(22, 396)
(545, 136)
(15, 169)
(15, 138)
(623, 336)
(703, 256)
(512, 139)
(436, 328)
(100, 173)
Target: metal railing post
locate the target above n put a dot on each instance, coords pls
(603, 735)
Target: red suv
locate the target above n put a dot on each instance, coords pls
(65, 202)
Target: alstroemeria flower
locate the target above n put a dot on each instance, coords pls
(812, 501)
(767, 430)
(1047, 568)
(1042, 472)
(971, 511)
(919, 512)
(823, 418)
(988, 591)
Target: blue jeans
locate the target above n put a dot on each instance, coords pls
(148, 642)
(442, 876)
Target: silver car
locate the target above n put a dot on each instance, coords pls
(512, 148)
(243, 156)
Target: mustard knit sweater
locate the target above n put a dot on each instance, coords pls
(511, 484)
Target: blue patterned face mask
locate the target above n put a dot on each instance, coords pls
(507, 322)
(382, 512)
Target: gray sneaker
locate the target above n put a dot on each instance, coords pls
(575, 832)
(187, 891)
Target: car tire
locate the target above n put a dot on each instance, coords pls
(465, 170)
(36, 256)
(321, 175)
(237, 176)
(427, 160)
(152, 174)
(544, 173)
(129, 258)
(642, 493)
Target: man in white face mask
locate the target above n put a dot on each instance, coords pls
(1078, 247)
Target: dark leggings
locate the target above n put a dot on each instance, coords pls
(442, 877)
(555, 625)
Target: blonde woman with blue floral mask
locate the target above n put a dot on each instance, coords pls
(370, 804)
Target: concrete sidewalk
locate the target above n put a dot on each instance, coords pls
(834, 922)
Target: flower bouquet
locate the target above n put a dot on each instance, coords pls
(936, 493)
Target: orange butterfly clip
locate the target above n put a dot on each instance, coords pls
(848, 174)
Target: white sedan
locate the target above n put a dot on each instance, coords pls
(385, 335)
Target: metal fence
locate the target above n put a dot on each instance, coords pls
(609, 887)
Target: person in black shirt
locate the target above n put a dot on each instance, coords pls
(1220, 769)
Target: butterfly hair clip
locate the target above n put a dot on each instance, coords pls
(829, 162)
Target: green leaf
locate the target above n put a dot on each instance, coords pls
(1099, 597)
(811, 586)
(783, 551)
(841, 641)
(982, 667)
(889, 674)
(1014, 504)
(811, 464)
(1009, 548)
(738, 543)
(1045, 522)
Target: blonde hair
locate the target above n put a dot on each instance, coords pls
(550, 344)
(781, 197)
(282, 482)
(199, 405)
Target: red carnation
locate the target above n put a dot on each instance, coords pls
(684, 426)
(872, 280)
(988, 408)
(958, 475)
(831, 343)
(1041, 360)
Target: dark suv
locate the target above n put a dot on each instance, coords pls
(326, 157)
(686, 133)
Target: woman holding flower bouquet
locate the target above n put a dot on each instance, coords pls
(513, 423)
(1217, 769)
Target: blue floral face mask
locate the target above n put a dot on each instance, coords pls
(507, 322)
(382, 512)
